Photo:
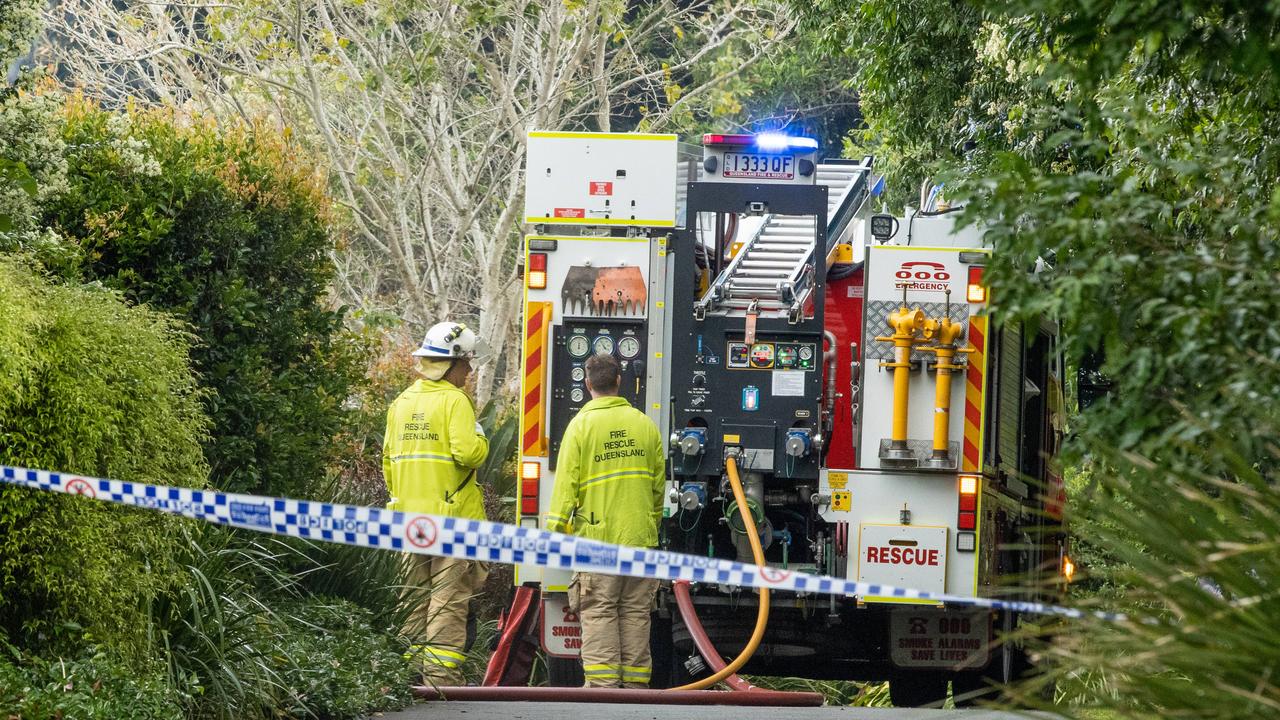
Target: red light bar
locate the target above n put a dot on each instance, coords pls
(538, 261)
(967, 521)
(716, 139)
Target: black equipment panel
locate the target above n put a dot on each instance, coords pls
(750, 395)
(573, 342)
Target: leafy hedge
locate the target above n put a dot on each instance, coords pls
(228, 227)
(116, 613)
(88, 385)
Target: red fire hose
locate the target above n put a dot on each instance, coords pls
(700, 640)
(742, 692)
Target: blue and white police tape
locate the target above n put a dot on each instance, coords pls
(479, 540)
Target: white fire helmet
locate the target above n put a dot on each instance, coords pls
(449, 340)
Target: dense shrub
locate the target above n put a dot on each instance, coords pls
(228, 228)
(91, 685)
(339, 666)
(88, 385)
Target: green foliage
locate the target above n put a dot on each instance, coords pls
(779, 92)
(93, 685)
(1127, 147)
(227, 228)
(249, 637)
(913, 70)
(339, 666)
(92, 386)
(19, 23)
(1200, 586)
(14, 176)
(838, 693)
(498, 473)
(32, 172)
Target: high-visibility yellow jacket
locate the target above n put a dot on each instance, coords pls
(610, 475)
(432, 446)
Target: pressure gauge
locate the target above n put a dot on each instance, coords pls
(577, 374)
(576, 395)
(806, 352)
(604, 345)
(579, 346)
(628, 347)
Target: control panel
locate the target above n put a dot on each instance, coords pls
(760, 396)
(770, 356)
(574, 342)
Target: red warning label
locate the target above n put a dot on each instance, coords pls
(421, 532)
(601, 188)
(569, 212)
(80, 486)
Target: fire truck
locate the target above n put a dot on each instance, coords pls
(888, 429)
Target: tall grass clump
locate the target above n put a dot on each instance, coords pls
(248, 638)
(1199, 557)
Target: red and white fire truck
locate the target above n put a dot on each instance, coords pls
(888, 428)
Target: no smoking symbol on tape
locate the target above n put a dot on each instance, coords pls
(421, 532)
(80, 486)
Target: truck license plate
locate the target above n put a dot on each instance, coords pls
(921, 637)
(752, 165)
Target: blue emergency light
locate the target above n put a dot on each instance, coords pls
(765, 142)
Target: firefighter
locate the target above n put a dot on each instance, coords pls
(432, 448)
(609, 483)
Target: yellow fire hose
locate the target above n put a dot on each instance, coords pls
(757, 552)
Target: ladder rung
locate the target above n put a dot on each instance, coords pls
(766, 264)
(753, 283)
(764, 304)
(762, 274)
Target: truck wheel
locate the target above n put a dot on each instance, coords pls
(564, 672)
(920, 690)
(969, 689)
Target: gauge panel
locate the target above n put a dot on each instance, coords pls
(771, 356)
(574, 342)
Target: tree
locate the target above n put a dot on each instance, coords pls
(1126, 148)
(420, 110)
(227, 228)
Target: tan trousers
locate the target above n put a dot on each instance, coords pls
(615, 628)
(437, 622)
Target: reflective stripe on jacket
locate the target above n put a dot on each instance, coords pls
(610, 476)
(430, 449)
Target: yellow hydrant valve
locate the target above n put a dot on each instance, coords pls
(944, 333)
(906, 324)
